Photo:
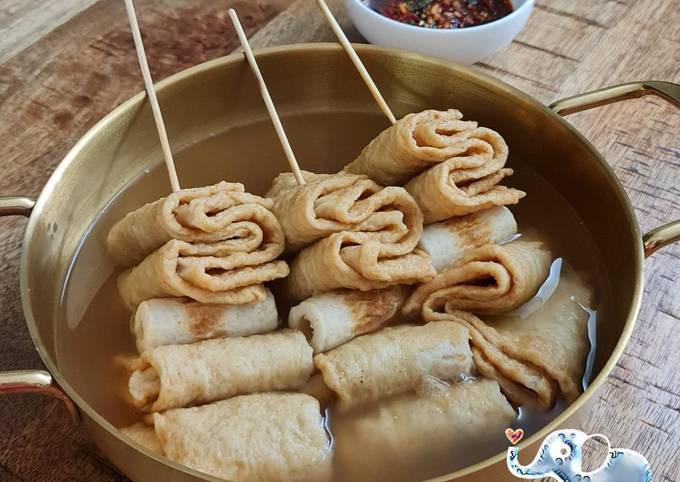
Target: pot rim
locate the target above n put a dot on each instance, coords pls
(463, 71)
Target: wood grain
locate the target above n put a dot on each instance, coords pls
(23, 22)
(46, 103)
(569, 46)
(302, 22)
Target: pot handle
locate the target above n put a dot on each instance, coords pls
(31, 381)
(37, 381)
(668, 233)
(16, 205)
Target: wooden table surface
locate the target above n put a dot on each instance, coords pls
(64, 64)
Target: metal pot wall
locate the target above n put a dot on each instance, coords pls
(221, 94)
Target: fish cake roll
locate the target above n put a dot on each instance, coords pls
(412, 145)
(447, 242)
(249, 438)
(331, 203)
(197, 215)
(535, 352)
(181, 375)
(351, 260)
(391, 440)
(179, 321)
(395, 360)
(331, 319)
(219, 273)
(491, 279)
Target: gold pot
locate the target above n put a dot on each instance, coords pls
(221, 94)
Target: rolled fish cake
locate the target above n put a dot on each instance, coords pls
(490, 279)
(197, 215)
(395, 360)
(225, 272)
(426, 431)
(467, 182)
(331, 319)
(367, 259)
(178, 321)
(448, 241)
(181, 375)
(534, 355)
(450, 166)
(330, 203)
(249, 438)
(355, 261)
(412, 145)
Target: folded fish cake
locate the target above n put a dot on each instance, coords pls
(467, 182)
(534, 355)
(331, 319)
(182, 375)
(420, 434)
(215, 244)
(354, 261)
(249, 438)
(209, 273)
(395, 360)
(412, 145)
(196, 215)
(179, 321)
(490, 279)
(451, 167)
(448, 241)
(331, 203)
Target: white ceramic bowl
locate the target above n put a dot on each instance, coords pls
(464, 46)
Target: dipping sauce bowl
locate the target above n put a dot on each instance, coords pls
(461, 45)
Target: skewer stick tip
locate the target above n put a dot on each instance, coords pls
(358, 64)
(278, 127)
(151, 94)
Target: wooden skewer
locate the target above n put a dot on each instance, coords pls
(267, 98)
(342, 38)
(151, 93)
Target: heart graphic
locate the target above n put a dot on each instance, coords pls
(514, 436)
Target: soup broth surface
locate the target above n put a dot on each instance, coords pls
(95, 325)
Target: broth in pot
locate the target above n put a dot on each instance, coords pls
(389, 438)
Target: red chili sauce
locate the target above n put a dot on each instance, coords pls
(447, 13)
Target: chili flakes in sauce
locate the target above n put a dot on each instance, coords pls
(446, 14)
